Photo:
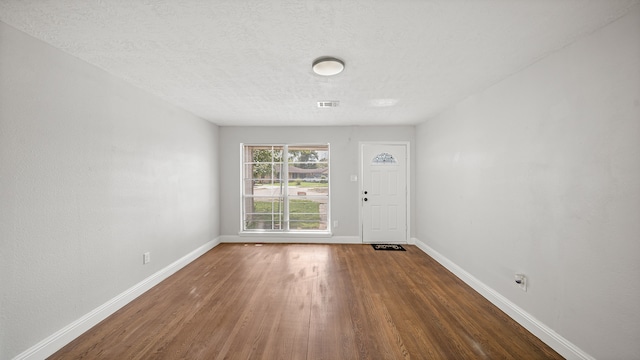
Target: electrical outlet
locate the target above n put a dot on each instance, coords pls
(146, 258)
(336, 223)
(521, 280)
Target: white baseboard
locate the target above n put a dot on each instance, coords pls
(563, 346)
(62, 337)
(288, 239)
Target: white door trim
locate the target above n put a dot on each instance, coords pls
(407, 146)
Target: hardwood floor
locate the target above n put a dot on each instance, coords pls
(309, 302)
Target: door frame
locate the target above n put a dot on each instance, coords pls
(407, 146)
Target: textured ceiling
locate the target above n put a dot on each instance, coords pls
(249, 62)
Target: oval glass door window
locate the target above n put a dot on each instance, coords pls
(384, 159)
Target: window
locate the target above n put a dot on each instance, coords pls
(285, 188)
(384, 159)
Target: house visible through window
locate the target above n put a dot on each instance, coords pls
(285, 188)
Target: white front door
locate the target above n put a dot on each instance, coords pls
(383, 192)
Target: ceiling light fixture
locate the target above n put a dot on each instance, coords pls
(328, 66)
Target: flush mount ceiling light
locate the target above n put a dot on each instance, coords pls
(328, 66)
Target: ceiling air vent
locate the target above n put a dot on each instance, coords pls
(328, 104)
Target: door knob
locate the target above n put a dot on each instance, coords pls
(365, 199)
(365, 192)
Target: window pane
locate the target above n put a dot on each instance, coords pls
(309, 172)
(263, 172)
(308, 166)
(384, 159)
(264, 154)
(262, 213)
(307, 214)
(263, 188)
(308, 154)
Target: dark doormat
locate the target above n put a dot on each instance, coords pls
(390, 247)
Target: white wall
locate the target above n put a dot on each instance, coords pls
(93, 172)
(344, 163)
(540, 174)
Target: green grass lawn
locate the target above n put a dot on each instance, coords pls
(306, 184)
(303, 215)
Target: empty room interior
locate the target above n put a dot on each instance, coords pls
(205, 180)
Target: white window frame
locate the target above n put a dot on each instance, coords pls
(285, 193)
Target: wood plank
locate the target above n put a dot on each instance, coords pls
(309, 301)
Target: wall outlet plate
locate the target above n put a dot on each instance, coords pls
(146, 258)
(521, 281)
